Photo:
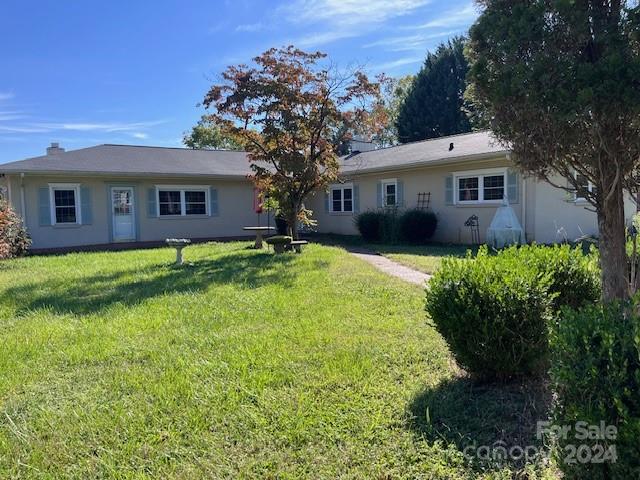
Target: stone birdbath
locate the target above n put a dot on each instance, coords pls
(178, 244)
(259, 232)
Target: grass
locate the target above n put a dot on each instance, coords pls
(425, 258)
(239, 364)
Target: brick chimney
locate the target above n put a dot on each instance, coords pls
(54, 149)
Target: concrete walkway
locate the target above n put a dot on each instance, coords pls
(389, 266)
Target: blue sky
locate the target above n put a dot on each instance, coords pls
(112, 71)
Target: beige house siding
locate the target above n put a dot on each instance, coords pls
(235, 209)
(550, 214)
(451, 218)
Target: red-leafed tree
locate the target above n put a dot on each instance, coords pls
(291, 111)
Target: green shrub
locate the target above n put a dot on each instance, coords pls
(493, 312)
(378, 226)
(595, 374)
(575, 276)
(389, 231)
(369, 225)
(417, 226)
(14, 240)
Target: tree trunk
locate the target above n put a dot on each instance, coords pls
(292, 223)
(612, 246)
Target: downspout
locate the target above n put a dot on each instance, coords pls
(9, 197)
(23, 203)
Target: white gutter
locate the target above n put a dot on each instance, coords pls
(428, 163)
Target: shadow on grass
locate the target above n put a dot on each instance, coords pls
(471, 415)
(91, 294)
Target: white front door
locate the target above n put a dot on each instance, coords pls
(123, 213)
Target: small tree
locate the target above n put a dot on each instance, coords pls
(290, 113)
(433, 106)
(560, 82)
(207, 135)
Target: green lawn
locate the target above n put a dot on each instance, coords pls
(426, 258)
(241, 364)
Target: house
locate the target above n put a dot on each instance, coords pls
(120, 193)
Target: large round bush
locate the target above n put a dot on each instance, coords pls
(14, 240)
(493, 313)
(417, 226)
(493, 310)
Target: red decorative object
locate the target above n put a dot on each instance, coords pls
(257, 200)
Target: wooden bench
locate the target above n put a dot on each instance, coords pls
(297, 245)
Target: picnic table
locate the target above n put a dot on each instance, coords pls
(259, 232)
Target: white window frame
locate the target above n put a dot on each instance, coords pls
(386, 182)
(590, 188)
(52, 201)
(341, 187)
(183, 203)
(480, 174)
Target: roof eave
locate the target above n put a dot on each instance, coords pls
(117, 174)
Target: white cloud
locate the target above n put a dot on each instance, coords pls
(250, 27)
(387, 66)
(344, 18)
(10, 115)
(6, 96)
(100, 127)
(404, 43)
(453, 18)
(136, 129)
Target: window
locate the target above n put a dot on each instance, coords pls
(584, 187)
(493, 187)
(182, 201)
(480, 187)
(65, 204)
(342, 198)
(170, 202)
(389, 193)
(195, 202)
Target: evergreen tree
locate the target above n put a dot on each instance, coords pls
(434, 104)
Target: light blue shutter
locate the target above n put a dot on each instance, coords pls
(152, 210)
(356, 199)
(400, 193)
(448, 190)
(379, 195)
(44, 206)
(326, 202)
(214, 209)
(513, 186)
(85, 206)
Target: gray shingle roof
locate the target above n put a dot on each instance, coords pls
(136, 160)
(434, 151)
